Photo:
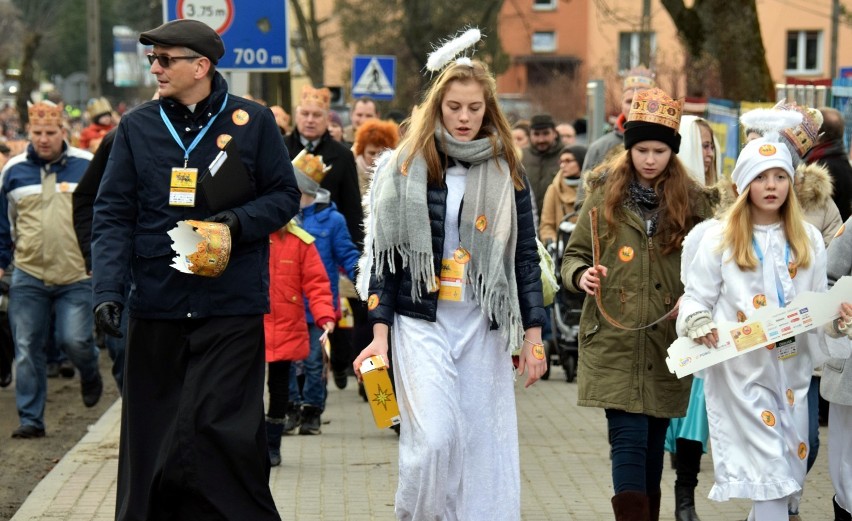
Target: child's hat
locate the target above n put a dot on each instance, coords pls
(310, 171)
(759, 156)
(654, 116)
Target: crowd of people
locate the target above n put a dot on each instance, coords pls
(416, 239)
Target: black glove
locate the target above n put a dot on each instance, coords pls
(229, 219)
(108, 318)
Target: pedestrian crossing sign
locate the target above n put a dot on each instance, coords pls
(374, 76)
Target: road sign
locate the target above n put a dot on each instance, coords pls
(255, 34)
(374, 76)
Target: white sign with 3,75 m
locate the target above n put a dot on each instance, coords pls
(255, 34)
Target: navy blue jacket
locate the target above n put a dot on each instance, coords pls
(394, 290)
(132, 214)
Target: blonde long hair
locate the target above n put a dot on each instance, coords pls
(739, 227)
(420, 137)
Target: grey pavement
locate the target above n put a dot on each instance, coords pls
(349, 471)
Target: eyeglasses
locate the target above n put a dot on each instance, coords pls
(561, 161)
(165, 60)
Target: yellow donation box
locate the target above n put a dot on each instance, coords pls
(379, 391)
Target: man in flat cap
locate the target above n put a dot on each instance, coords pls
(193, 444)
(541, 158)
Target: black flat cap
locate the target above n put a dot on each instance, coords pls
(191, 34)
(540, 121)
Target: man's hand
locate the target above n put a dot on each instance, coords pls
(108, 318)
(229, 219)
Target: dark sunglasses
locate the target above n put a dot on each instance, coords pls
(165, 60)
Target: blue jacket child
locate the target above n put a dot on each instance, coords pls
(319, 217)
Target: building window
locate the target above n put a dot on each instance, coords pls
(804, 52)
(544, 41)
(629, 50)
(544, 5)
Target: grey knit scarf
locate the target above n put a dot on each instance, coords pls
(488, 227)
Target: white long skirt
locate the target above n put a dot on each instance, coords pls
(458, 444)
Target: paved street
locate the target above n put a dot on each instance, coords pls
(349, 472)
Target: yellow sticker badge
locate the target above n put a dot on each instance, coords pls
(767, 150)
(625, 254)
(792, 269)
(741, 317)
(803, 450)
(461, 255)
(373, 302)
(222, 140)
(790, 396)
(759, 301)
(481, 223)
(840, 231)
(240, 117)
(768, 418)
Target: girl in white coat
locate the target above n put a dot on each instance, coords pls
(761, 253)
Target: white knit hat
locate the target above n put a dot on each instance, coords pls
(757, 157)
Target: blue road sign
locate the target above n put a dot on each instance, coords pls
(255, 34)
(374, 76)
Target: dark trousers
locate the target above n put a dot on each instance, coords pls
(636, 442)
(193, 439)
(688, 462)
(278, 382)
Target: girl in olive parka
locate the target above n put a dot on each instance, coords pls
(645, 203)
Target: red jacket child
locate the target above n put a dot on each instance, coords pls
(295, 269)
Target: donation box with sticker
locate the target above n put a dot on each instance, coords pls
(379, 391)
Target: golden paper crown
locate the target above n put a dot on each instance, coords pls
(804, 135)
(312, 96)
(311, 166)
(45, 113)
(655, 106)
(639, 77)
(98, 106)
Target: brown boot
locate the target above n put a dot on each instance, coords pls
(654, 505)
(631, 506)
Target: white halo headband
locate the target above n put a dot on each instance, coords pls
(441, 56)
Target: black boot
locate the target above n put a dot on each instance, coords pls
(274, 429)
(685, 504)
(839, 513)
(310, 420)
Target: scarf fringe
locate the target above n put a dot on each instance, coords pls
(498, 306)
(419, 264)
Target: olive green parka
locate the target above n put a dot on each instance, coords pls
(620, 369)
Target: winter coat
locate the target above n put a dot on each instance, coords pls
(295, 270)
(132, 214)
(394, 289)
(836, 384)
(36, 222)
(621, 369)
(335, 247)
(833, 156)
(540, 168)
(558, 202)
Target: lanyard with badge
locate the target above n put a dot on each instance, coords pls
(786, 348)
(184, 179)
(452, 280)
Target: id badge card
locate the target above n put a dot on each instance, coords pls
(786, 348)
(452, 281)
(182, 187)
